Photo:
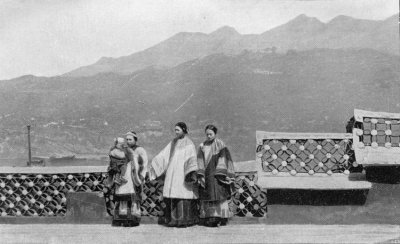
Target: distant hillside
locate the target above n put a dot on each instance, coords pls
(304, 91)
(301, 33)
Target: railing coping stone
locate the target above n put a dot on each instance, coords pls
(263, 135)
(53, 170)
(242, 166)
(359, 115)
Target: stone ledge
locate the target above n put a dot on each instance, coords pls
(378, 156)
(53, 170)
(359, 115)
(245, 166)
(262, 135)
(354, 181)
(107, 220)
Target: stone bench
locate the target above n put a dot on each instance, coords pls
(307, 161)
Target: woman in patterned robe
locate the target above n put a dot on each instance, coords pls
(177, 161)
(216, 176)
(126, 192)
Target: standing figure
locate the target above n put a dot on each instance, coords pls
(125, 184)
(131, 140)
(216, 176)
(178, 162)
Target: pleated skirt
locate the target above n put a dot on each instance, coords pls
(214, 213)
(180, 212)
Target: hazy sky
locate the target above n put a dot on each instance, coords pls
(51, 37)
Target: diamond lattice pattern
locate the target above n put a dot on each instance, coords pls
(46, 194)
(310, 156)
(380, 132)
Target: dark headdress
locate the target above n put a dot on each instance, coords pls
(183, 126)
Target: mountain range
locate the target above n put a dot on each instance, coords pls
(300, 91)
(239, 85)
(301, 33)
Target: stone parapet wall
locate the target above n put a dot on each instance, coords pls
(43, 191)
(298, 154)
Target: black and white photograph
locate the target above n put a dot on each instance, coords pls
(199, 121)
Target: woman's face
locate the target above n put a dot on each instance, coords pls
(210, 135)
(130, 140)
(178, 131)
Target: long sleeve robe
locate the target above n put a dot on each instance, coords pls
(216, 167)
(177, 161)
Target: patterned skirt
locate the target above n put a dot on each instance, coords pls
(180, 212)
(126, 211)
(214, 213)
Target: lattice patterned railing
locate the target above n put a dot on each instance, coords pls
(248, 199)
(376, 137)
(306, 153)
(380, 132)
(43, 192)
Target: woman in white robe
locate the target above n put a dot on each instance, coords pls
(178, 161)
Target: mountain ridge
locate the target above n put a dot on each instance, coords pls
(300, 33)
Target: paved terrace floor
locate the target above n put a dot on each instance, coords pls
(250, 233)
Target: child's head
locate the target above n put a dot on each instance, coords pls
(119, 142)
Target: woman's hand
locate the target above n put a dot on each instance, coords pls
(201, 181)
(191, 178)
(151, 173)
(224, 179)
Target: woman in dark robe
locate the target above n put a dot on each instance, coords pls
(177, 161)
(216, 176)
